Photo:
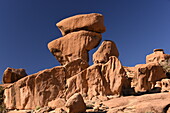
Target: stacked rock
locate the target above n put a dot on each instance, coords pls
(81, 33)
(158, 55)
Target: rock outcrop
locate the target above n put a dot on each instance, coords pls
(74, 46)
(11, 75)
(36, 90)
(147, 75)
(77, 87)
(150, 103)
(107, 48)
(157, 56)
(90, 22)
(107, 79)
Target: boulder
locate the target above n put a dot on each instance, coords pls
(106, 79)
(165, 85)
(11, 75)
(90, 22)
(76, 104)
(74, 46)
(36, 90)
(158, 55)
(107, 48)
(147, 75)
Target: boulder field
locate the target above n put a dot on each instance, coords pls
(77, 87)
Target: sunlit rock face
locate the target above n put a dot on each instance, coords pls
(107, 48)
(158, 55)
(146, 76)
(74, 46)
(90, 22)
(11, 75)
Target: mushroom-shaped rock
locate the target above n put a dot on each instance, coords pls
(74, 45)
(12, 75)
(147, 75)
(89, 22)
(76, 104)
(158, 55)
(107, 48)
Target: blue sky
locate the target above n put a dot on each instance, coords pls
(26, 27)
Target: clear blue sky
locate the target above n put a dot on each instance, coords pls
(26, 26)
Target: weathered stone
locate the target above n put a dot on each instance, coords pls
(107, 79)
(157, 56)
(36, 90)
(150, 103)
(107, 48)
(76, 104)
(11, 75)
(74, 46)
(114, 75)
(57, 103)
(90, 22)
(74, 67)
(147, 75)
(165, 85)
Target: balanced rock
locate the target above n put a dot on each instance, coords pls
(90, 22)
(157, 56)
(12, 75)
(147, 75)
(36, 90)
(106, 79)
(73, 46)
(107, 48)
(76, 104)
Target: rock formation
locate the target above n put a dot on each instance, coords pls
(108, 48)
(11, 75)
(74, 46)
(157, 56)
(90, 22)
(76, 87)
(147, 75)
(36, 90)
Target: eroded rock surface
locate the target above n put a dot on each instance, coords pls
(147, 75)
(36, 90)
(107, 79)
(157, 56)
(11, 75)
(90, 22)
(74, 46)
(150, 103)
(107, 48)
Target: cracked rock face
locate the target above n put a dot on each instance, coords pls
(74, 45)
(107, 48)
(90, 22)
